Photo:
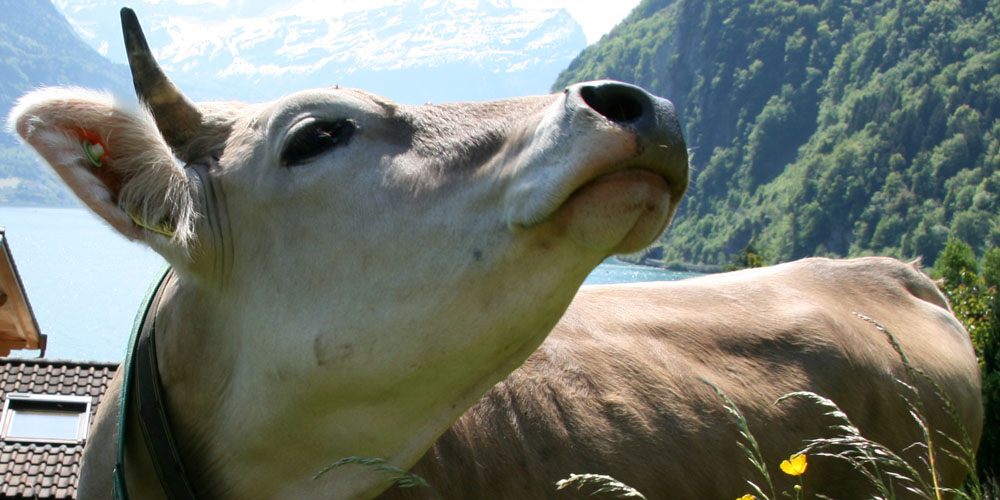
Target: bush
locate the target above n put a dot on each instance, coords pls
(976, 302)
(749, 257)
(957, 263)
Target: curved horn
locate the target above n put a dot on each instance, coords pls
(178, 119)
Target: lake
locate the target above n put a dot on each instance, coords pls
(85, 282)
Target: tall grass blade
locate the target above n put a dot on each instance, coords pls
(397, 476)
(751, 449)
(601, 484)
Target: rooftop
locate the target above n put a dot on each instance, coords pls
(18, 327)
(38, 467)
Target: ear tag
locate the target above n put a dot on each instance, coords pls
(94, 148)
(94, 152)
(161, 228)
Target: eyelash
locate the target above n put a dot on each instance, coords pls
(315, 138)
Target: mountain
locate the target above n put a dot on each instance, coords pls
(820, 127)
(38, 47)
(412, 51)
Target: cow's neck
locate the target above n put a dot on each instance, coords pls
(226, 379)
(194, 357)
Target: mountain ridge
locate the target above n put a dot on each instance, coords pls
(244, 53)
(821, 128)
(494, 51)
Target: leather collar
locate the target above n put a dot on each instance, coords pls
(142, 385)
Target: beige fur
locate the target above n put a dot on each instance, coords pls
(616, 388)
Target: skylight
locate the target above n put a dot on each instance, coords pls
(45, 418)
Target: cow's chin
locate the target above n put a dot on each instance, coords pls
(621, 212)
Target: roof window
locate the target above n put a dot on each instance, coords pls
(45, 418)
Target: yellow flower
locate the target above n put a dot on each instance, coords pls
(794, 466)
(747, 497)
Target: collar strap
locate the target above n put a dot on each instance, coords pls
(142, 373)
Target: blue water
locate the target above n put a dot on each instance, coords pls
(614, 271)
(85, 281)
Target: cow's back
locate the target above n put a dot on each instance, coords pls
(617, 387)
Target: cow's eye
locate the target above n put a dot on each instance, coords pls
(315, 137)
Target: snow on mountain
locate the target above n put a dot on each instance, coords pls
(412, 51)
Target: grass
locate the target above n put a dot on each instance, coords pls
(748, 444)
(397, 476)
(599, 484)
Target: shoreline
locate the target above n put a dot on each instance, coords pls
(673, 266)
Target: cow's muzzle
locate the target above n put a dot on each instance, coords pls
(653, 120)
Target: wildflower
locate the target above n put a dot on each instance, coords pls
(794, 466)
(747, 497)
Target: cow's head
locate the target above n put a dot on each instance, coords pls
(333, 231)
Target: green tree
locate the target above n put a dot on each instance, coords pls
(749, 257)
(976, 303)
(957, 263)
(991, 267)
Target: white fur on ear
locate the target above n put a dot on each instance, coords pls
(134, 183)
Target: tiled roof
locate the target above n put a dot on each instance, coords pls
(39, 470)
(42, 376)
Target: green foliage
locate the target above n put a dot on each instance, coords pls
(750, 256)
(991, 267)
(820, 127)
(976, 302)
(957, 264)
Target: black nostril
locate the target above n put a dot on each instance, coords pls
(618, 103)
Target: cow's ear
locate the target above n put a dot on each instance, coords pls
(113, 157)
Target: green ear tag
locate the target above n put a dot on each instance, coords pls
(94, 152)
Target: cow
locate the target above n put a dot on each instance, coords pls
(349, 274)
(621, 387)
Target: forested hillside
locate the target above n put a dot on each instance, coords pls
(822, 127)
(38, 48)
